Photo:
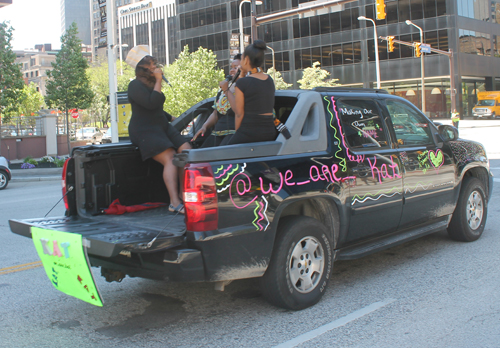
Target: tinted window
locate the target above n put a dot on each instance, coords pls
(361, 123)
(411, 127)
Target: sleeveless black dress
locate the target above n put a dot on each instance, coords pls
(149, 126)
(259, 99)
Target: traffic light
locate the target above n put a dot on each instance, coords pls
(390, 43)
(380, 9)
(418, 53)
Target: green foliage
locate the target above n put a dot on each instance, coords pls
(194, 77)
(68, 86)
(279, 83)
(59, 161)
(315, 77)
(11, 79)
(99, 81)
(30, 160)
(31, 101)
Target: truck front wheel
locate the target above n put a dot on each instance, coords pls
(301, 264)
(469, 218)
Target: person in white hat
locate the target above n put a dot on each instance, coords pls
(149, 126)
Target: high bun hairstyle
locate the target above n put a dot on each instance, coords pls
(255, 53)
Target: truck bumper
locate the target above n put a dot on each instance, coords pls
(177, 264)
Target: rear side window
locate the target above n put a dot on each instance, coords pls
(361, 123)
(411, 128)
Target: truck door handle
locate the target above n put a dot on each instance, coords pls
(361, 170)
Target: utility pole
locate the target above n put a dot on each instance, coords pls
(449, 54)
(110, 9)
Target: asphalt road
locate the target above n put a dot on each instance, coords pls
(432, 292)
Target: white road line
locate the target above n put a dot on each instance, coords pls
(496, 180)
(334, 324)
(495, 168)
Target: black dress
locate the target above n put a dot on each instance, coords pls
(149, 126)
(259, 100)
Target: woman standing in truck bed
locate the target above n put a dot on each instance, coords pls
(149, 126)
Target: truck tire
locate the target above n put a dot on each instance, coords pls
(4, 180)
(469, 218)
(301, 264)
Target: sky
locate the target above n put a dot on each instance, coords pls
(34, 22)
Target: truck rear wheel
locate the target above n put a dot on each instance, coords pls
(469, 217)
(301, 264)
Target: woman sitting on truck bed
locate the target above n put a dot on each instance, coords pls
(149, 127)
(222, 118)
(253, 101)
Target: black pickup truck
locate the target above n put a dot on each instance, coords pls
(363, 171)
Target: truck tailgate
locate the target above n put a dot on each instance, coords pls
(110, 234)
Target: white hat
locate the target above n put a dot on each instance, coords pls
(136, 54)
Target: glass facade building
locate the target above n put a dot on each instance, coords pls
(76, 11)
(343, 44)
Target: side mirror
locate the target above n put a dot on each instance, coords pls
(447, 132)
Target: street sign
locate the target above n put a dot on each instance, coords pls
(74, 114)
(425, 48)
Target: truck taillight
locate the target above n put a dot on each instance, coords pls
(64, 189)
(200, 198)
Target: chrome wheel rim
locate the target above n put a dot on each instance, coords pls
(475, 210)
(306, 264)
(3, 180)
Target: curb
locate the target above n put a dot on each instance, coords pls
(35, 178)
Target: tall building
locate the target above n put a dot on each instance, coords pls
(344, 45)
(35, 64)
(337, 39)
(99, 24)
(76, 11)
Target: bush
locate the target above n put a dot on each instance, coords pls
(30, 160)
(47, 159)
(27, 165)
(59, 161)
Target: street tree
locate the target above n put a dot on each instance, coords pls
(315, 77)
(68, 86)
(99, 81)
(11, 78)
(194, 77)
(279, 83)
(31, 101)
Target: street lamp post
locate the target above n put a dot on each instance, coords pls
(274, 68)
(112, 73)
(375, 38)
(422, 65)
(242, 44)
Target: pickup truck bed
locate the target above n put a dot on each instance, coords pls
(110, 234)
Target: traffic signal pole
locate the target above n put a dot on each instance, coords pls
(449, 53)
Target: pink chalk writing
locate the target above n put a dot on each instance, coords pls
(383, 172)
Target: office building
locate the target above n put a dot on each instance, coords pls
(344, 45)
(76, 11)
(99, 25)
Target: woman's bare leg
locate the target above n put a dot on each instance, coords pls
(170, 176)
(180, 171)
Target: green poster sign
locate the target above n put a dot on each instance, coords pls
(66, 263)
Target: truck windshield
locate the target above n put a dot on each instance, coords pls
(486, 102)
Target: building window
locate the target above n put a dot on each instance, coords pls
(476, 9)
(473, 42)
(194, 19)
(36, 73)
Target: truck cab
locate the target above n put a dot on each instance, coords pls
(488, 105)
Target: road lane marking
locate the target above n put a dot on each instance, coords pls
(496, 180)
(19, 268)
(334, 324)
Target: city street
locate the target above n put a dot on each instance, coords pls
(431, 292)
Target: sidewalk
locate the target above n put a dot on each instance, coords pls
(36, 174)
